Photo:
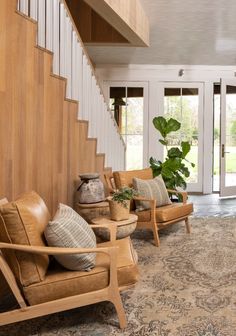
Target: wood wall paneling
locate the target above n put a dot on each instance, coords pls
(43, 147)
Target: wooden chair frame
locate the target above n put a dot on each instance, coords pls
(110, 293)
(153, 225)
(108, 177)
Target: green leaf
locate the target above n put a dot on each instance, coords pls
(156, 166)
(155, 163)
(160, 124)
(185, 145)
(165, 143)
(167, 173)
(152, 160)
(172, 164)
(172, 125)
(170, 183)
(193, 164)
(180, 182)
(174, 152)
(184, 170)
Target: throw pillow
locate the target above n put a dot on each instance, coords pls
(69, 229)
(151, 189)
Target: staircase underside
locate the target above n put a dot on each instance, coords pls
(42, 144)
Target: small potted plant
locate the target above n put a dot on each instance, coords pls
(119, 203)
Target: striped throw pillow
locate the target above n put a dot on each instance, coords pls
(151, 189)
(69, 229)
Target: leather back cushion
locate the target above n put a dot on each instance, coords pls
(23, 222)
(125, 178)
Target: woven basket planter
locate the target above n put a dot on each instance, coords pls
(118, 211)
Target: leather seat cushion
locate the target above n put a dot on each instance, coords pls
(166, 213)
(60, 282)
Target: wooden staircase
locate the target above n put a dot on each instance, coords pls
(43, 146)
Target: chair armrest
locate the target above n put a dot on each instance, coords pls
(56, 250)
(111, 251)
(112, 228)
(183, 193)
(153, 205)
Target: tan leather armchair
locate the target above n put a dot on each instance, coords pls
(42, 287)
(155, 218)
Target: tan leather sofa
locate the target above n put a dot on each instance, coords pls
(42, 286)
(155, 218)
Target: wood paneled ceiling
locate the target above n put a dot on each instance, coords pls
(181, 32)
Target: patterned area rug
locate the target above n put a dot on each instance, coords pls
(187, 287)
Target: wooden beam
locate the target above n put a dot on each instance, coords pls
(127, 17)
(92, 27)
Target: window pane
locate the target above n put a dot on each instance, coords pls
(189, 117)
(230, 145)
(189, 92)
(216, 135)
(127, 105)
(134, 151)
(183, 104)
(135, 115)
(134, 110)
(172, 108)
(118, 104)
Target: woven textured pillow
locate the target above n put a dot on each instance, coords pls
(151, 189)
(69, 229)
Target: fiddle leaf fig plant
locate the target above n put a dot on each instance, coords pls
(173, 169)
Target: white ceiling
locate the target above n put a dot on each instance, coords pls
(201, 32)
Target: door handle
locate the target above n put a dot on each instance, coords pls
(223, 151)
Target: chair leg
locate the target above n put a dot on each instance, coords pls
(156, 236)
(188, 226)
(120, 311)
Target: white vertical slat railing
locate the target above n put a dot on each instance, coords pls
(49, 25)
(34, 9)
(57, 33)
(42, 23)
(56, 36)
(23, 7)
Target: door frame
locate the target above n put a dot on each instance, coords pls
(191, 187)
(225, 191)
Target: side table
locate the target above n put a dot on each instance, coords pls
(124, 227)
(92, 210)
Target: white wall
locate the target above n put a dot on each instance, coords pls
(154, 74)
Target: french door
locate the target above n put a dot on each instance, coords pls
(184, 102)
(228, 138)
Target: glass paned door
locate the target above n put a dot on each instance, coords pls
(184, 102)
(228, 138)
